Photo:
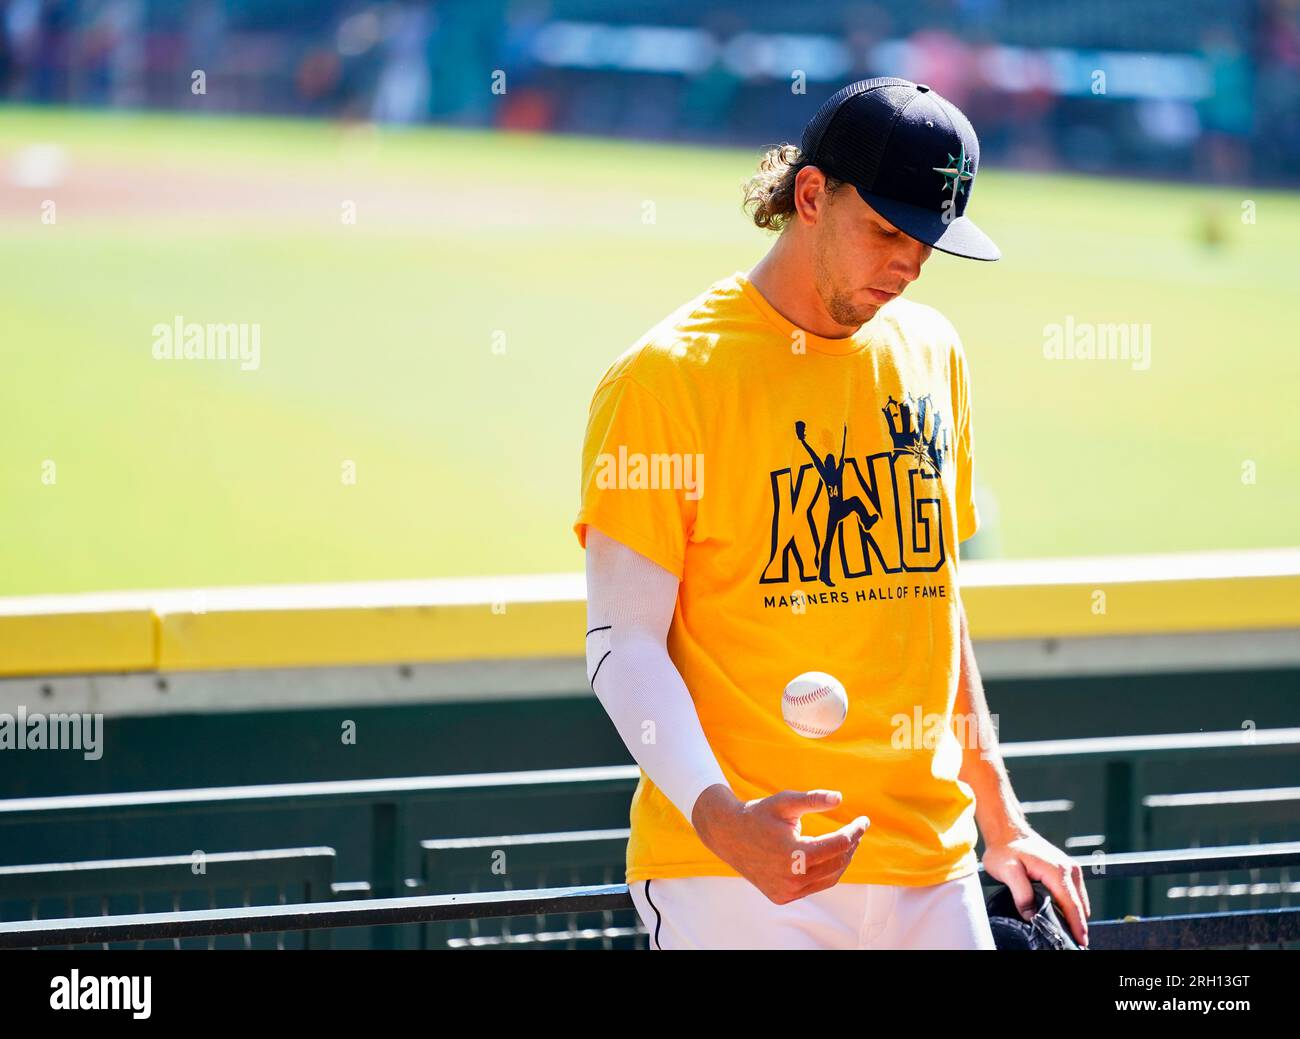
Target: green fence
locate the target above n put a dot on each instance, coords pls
(1104, 809)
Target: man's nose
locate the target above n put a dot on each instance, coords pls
(907, 261)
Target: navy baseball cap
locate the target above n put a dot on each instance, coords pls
(910, 153)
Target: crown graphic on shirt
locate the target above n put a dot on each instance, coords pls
(917, 428)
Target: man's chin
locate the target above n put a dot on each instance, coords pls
(855, 317)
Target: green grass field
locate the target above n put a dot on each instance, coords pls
(377, 347)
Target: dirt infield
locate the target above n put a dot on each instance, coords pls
(243, 192)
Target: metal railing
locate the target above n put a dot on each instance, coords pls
(1203, 930)
(387, 800)
(173, 883)
(1122, 758)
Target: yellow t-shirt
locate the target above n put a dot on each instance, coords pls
(693, 457)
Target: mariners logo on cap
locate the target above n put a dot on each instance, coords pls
(956, 173)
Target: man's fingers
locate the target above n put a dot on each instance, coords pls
(833, 868)
(792, 804)
(1017, 880)
(820, 881)
(838, 842)
(1059, 880)
(1081, 900)
(807, 879)
(1070, 899)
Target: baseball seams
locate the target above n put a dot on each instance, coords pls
(814, 705)
(822, 692)
(808, 730)
(806, 698)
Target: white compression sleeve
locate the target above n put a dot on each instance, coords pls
(630, 603)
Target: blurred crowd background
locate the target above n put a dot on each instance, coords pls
(1201, 90)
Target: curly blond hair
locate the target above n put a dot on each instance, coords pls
(769, 193)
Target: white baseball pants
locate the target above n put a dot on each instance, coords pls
(730, 913)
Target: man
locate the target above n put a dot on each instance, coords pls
(704, 597)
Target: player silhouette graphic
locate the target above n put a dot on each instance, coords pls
(838, 507)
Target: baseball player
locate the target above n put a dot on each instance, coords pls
(721, 563)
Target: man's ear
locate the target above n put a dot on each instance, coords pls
(810, 194)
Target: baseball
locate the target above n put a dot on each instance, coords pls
(814, 704)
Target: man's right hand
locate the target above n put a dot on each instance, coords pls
(761, 840)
